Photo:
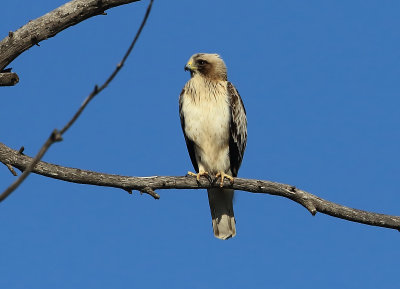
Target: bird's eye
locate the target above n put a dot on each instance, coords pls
(201, 62)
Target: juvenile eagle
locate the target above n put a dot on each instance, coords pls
(214, 124)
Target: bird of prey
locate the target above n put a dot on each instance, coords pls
(214, 124)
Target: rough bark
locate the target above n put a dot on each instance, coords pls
(148, 185)
(8, 78)
(50, 24)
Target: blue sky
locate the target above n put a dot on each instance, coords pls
(319, 80)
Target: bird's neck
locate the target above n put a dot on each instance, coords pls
(205, 88)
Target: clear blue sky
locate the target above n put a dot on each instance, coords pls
(320, 82)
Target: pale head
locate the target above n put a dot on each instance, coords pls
(207, 65)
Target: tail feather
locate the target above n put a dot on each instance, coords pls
(221, 206)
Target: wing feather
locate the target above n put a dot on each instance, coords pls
(238, 129)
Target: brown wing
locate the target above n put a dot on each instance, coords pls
(189, 142)
(238, 129)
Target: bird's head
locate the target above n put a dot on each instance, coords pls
(207, 65)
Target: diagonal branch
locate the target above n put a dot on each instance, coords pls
(50, 24)
(148, 185)
(57, 135)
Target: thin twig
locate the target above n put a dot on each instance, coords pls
(11, 169)
(97, 89)
(151, 192)
(57, 135)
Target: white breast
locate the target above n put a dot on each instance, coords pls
(205, 107)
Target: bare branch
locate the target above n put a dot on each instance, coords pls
(97, 89)
(8, 78)
(50, 24)
(57, 135)
(151, 192)
(11, 169)
(150, 184)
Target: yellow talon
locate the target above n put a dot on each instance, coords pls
(222, 175)
(198, 175)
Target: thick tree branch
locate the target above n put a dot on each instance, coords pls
(50, 24)
(148, 185)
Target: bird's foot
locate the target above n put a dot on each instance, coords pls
(206, 174)
(222, 175)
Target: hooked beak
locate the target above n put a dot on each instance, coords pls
(189, 66)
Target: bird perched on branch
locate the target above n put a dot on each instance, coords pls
(214, 124)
